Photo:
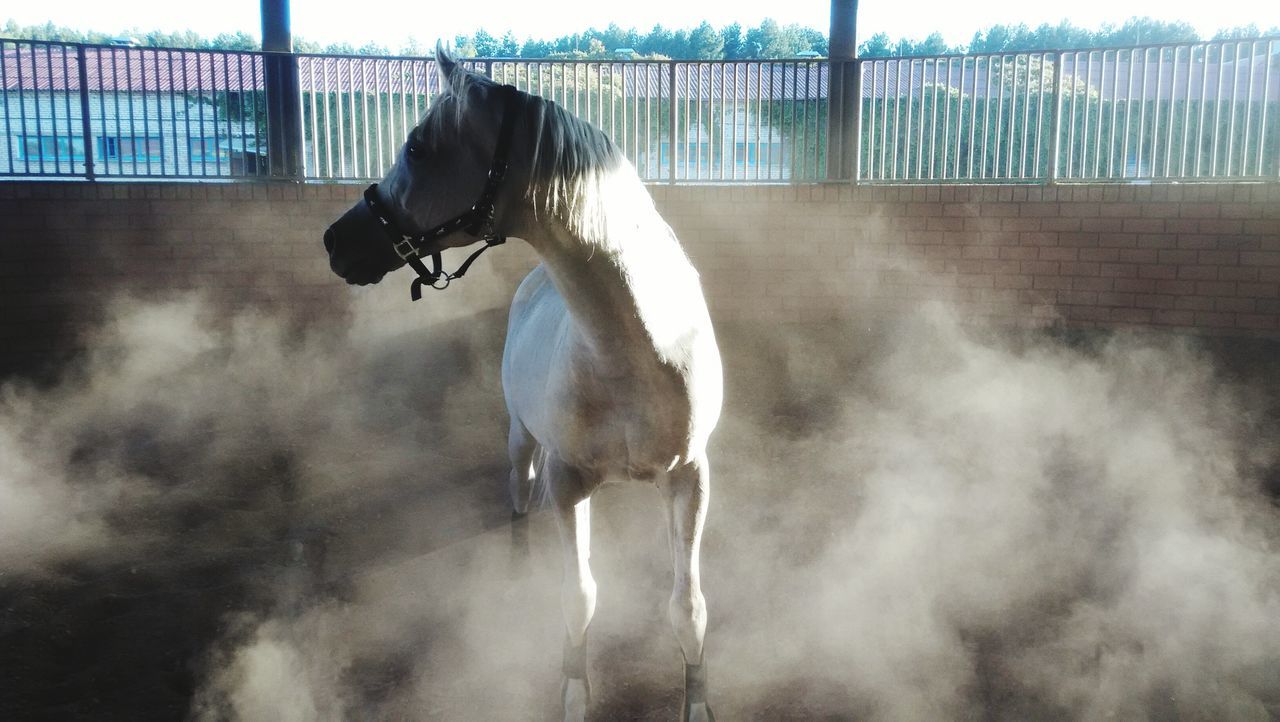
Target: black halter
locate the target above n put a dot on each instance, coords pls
(478, 221)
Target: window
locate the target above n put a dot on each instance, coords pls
(50, 147)
(205, 150)
(129, 148)
(691, 153)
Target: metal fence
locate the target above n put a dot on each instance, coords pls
(1180, 112)
(102, 111)
(1171, 112)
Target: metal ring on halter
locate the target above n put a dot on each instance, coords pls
(442, 277)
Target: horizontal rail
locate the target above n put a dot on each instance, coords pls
(1166, 112)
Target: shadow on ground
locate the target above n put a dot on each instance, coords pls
(345, 553)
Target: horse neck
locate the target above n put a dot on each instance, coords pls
(630, 288)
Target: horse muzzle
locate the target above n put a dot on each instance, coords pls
(358, 247)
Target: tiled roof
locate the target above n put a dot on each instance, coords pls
(54, 67)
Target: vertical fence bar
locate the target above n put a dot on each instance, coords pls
(1231, 122)
(1217, 111)
(4, 95)
(671, 120)
(82, 69)
(1055, 121)
(1248, 111)
(920, 124)
(1268, 56)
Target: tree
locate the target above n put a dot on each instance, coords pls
(731, 36)
(486, 46)
(535, 49)
(705, 43)
(932, 45)
(876, 46)
(1147, 31)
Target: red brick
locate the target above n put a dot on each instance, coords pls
(1157, 240)
(1089, 283)
(1153, 271)
(1038, 239)
(1080, 298)
(1215, 288)
(1118, 270)
(1173, 318)
(1177, 288)
(939, 223)
(1146, 300)
(1235, 305)
(1059, 224)
(1053, 253)
(1218, 258)
(1256, 321)
(1099, 254)
(1222, 227)
(1020, 224)
(1260, 258)
(1080, 210)
(1001, 267)
(1199, 210)
(1194, 303)
(1020, 253)
(1076, 268)
(1115, 299)
(1143, 225)
(1117, 240)
(1052, 283)
(1120, 210)
(1139, 255)
(1177, 257)
(998, 209)
(1258, 290)
(1181, 226)
(1198, 273)
(1040, 267)
(1131, 315)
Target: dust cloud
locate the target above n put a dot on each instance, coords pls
(215, 517)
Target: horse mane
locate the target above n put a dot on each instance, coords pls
(577, 172)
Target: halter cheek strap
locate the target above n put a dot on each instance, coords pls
(478, 221)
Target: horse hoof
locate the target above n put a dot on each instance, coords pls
(577, 696)
(519, 542)
(697, 712)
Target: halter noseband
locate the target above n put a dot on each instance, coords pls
(478, 221)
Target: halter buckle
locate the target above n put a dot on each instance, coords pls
(405, 248)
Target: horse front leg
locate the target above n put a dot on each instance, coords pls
(687, 491)
(578, 588)
(522, 450)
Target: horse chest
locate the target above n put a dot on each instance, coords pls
(630, 424)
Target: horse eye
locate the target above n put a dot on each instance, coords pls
(414, 151)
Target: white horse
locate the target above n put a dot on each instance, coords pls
(611, 369)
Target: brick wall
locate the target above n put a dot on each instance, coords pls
(1199, 258)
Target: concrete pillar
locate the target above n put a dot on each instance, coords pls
(843, 92)
(284, 93)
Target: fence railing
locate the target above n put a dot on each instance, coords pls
(1180, 112)
(101, 111)
(1169, 112)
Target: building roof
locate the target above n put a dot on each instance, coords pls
(54, 67)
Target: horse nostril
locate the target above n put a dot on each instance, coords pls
(329, 241)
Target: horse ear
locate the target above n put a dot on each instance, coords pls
(445, 65)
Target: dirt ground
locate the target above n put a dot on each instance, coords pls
(391, 593)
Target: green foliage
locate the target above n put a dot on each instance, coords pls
(732, 42)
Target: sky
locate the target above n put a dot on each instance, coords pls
(396, 21)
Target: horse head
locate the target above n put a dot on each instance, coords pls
(427, 201)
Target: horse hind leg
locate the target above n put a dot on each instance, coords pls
(523, 451)
(687, 491)
(578, 588)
